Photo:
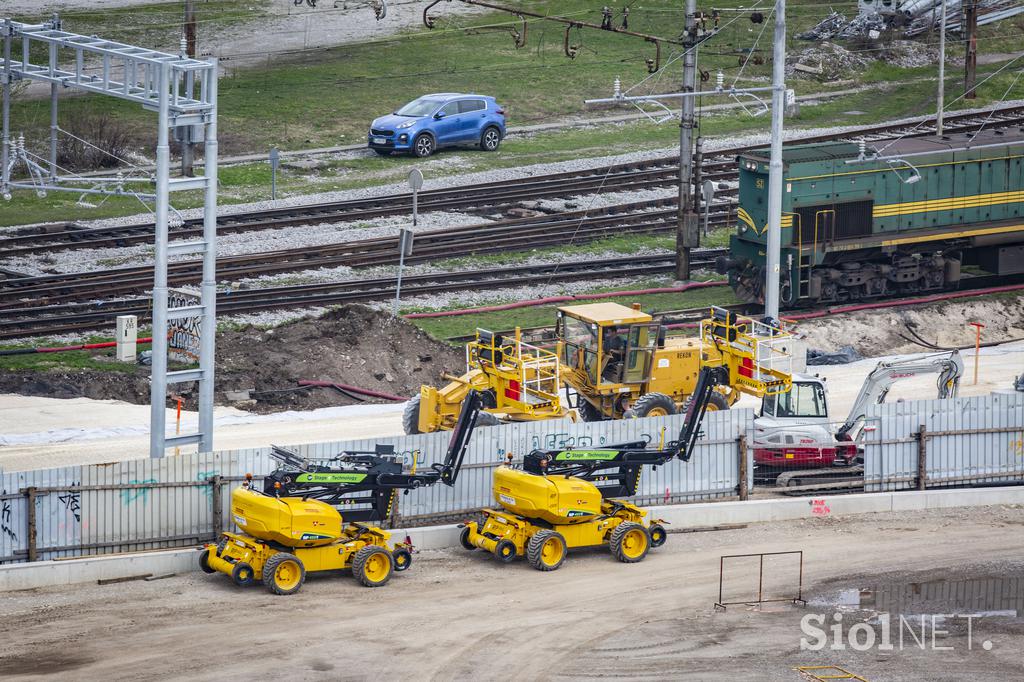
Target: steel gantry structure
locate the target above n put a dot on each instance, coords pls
(183, 93)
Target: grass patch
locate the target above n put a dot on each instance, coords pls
(329, 98)
(538, 316)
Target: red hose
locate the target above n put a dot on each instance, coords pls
(910, 301)
(62, 349)
(564, 299)
(352, 389)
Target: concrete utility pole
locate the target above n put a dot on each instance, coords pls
(942, 71)
(775, 179)
(188, 146)
(971, 56)
(686, 231)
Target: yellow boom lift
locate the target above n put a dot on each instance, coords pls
(292, 527)
(616, 358)
(562, 499)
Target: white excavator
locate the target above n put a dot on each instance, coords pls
(795, 437)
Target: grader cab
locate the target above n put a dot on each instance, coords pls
(621, 364)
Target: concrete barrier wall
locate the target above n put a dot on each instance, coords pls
(55, 573)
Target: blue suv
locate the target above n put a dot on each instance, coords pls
(440, 120)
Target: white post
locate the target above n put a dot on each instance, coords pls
(158, 378)
(942, 70)
(127, 337)
(775, 179)
(208, 326)
(5, 142)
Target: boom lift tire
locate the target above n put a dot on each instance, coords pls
(373, 566)
(464, 539)
(651, 405)
(505, 550)
(630, 542)
(204, 562)
(242, 574)
(588, 412)
(402, 559)
(411, 416)
(546, 550)
(284, 573)
(658, 535)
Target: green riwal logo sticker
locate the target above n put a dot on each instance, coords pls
(581, 455)
(330, 478)
(576, 512)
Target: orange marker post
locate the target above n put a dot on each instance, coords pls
(977, 347)
(177, 423)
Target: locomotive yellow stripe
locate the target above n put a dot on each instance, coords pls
(787, 221)
(954, 235)
(948, 204)
(930, 238)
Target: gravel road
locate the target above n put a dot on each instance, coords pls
(457, 615)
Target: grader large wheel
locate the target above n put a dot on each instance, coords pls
(546, 550)
(629, 542)
(588, 412)
(411, 416)
(284, 573)
(651, 405)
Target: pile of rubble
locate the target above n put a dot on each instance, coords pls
(825, 62)
(909, 54)
(908, 18)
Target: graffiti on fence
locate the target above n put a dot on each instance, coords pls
(5, 521)
(129, 495)
(555, 441)
(72, 501)
(205, 476)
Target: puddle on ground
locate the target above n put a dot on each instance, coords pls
(993, 597)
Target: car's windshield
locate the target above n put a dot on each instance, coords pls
(419, 107)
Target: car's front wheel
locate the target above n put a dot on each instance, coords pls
(490, 139)
(423, 146)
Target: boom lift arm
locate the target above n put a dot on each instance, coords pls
(378, 473)
(949, 367)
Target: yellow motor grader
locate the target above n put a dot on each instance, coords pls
(292, 526)
(616, 359)
(562, 499)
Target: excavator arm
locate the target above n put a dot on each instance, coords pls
(948, 366)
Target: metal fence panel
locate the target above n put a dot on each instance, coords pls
(967, 441)
(148, 504)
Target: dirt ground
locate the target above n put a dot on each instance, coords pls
(352, 345)
(942, 324)
(460, 615)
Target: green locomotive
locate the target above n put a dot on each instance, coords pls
(892, 217)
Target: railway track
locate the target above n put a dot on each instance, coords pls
(573, 227)
(81, 316)
(480, 198)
